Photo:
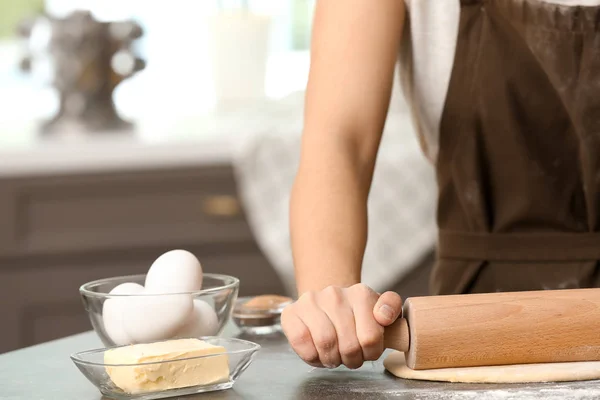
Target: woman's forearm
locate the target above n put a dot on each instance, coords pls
(328, 221)
(353, 54)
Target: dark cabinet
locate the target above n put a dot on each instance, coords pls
(58, 232)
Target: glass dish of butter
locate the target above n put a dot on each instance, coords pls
(167, 368)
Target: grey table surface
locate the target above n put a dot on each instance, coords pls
(45, 372)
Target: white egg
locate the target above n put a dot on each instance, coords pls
(112, 312)
(150, 318)
(175, 271)
(202, 322)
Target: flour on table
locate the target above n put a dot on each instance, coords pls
(519, 394)
(537, 392)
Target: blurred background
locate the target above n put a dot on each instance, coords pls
(129, 128)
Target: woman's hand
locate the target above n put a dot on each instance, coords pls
(338, 326)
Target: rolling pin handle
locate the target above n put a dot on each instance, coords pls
(397, 336)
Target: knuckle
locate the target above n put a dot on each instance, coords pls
(299, 337)
(356, 365)
(333, 294)
(308, 355)
(332, 289)
(307, 298)
(362, 290)
(351, 350)
(333, 362)
(371, 340)
(373, 355)
(310, 358)
(326, 341)
(306, 302)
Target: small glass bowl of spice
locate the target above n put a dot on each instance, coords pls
(260, 315)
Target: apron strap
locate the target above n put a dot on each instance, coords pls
(519, 246)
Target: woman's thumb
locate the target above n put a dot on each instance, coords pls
(388, 308)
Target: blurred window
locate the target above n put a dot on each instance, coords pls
(175, 46)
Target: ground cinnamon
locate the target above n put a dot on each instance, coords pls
(266, 302)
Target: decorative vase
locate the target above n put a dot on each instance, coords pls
(88, 59)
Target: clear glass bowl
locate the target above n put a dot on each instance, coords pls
(263, 321)
(240, 354)
(218, 291)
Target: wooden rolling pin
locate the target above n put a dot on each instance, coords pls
(498, 329)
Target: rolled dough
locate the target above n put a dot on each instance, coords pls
(525, 373)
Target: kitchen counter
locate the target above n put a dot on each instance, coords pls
(211, 138)
(45, 372)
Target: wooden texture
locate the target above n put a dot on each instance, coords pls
(500, 329)
(397, 336)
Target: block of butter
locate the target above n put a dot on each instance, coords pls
(168, 370)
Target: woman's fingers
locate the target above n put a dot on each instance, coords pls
(369, 333)
(340, 325)
(388, 308)
(334, 302)
(299, 337)
(321, 329)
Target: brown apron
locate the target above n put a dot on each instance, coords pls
(519, 162)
